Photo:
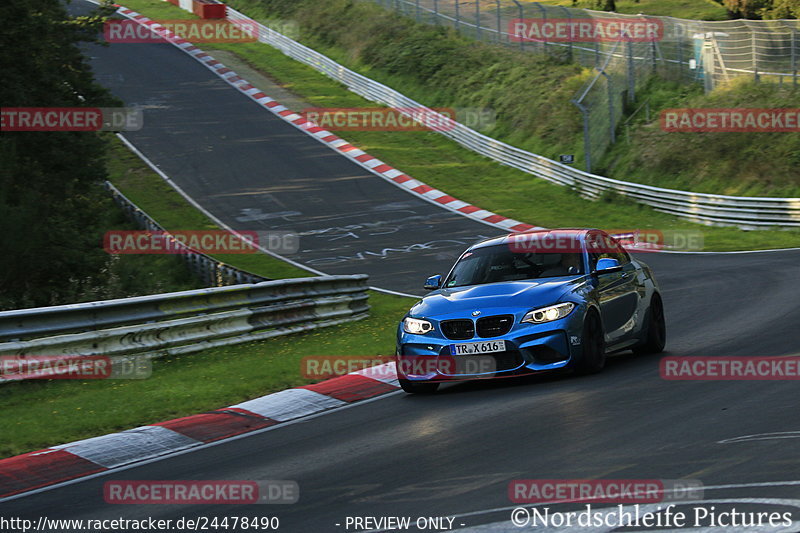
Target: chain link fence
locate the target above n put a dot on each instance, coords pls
(691, 51)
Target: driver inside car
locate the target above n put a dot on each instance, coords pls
(569, 264)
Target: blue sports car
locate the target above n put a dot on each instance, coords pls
(530, 302)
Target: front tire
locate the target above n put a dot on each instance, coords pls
(656, 329)
(418, 387)
(593, 345)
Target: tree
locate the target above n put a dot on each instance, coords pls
(756, 9)
(605, 5)
(49, 181)
(783, 9)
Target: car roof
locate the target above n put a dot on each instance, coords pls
(580, 233)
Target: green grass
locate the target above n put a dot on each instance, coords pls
(739, 164)
(38, 414)
(685, 9)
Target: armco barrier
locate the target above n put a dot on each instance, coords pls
(214, 273)
(184, 322)
(711, 209)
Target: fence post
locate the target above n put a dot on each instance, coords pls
(756, 77)
(458, 18)
(653, 51)
(477, 20)
(611, 125)
(499, 23)
(416, 5)
(587, 142)
(569, 25)
(709, 64)
(631, 73)
(544, 20)
(794, 57)
(436, 12)
(521, 16)
(596, 53)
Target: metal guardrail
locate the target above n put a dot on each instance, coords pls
(185, 322)
(212, 272)
(710, 209)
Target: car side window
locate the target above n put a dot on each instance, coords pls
(609, 248)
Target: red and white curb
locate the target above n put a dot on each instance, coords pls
(361, 158)
(66, 462)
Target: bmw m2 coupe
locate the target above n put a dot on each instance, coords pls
(530, 302)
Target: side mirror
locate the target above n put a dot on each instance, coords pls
(607, 265)
(433, 283)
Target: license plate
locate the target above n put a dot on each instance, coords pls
(474, 348)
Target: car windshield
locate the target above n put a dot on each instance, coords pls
(492, 264)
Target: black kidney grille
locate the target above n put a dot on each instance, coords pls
(458, 329)
(494, 326)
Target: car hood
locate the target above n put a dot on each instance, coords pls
(510, 294)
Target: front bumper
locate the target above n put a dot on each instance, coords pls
(530, 348)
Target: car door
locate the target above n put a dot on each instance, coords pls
(617, 293)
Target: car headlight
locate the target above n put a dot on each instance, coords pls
(548, 314)
(416, 326)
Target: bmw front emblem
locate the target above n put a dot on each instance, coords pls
(476, 313)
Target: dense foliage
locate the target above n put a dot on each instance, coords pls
(53, 210)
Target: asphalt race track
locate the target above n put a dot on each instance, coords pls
(454, 453)
(258, 173)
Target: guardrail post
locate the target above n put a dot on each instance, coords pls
(521, 16)
(587, 141)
